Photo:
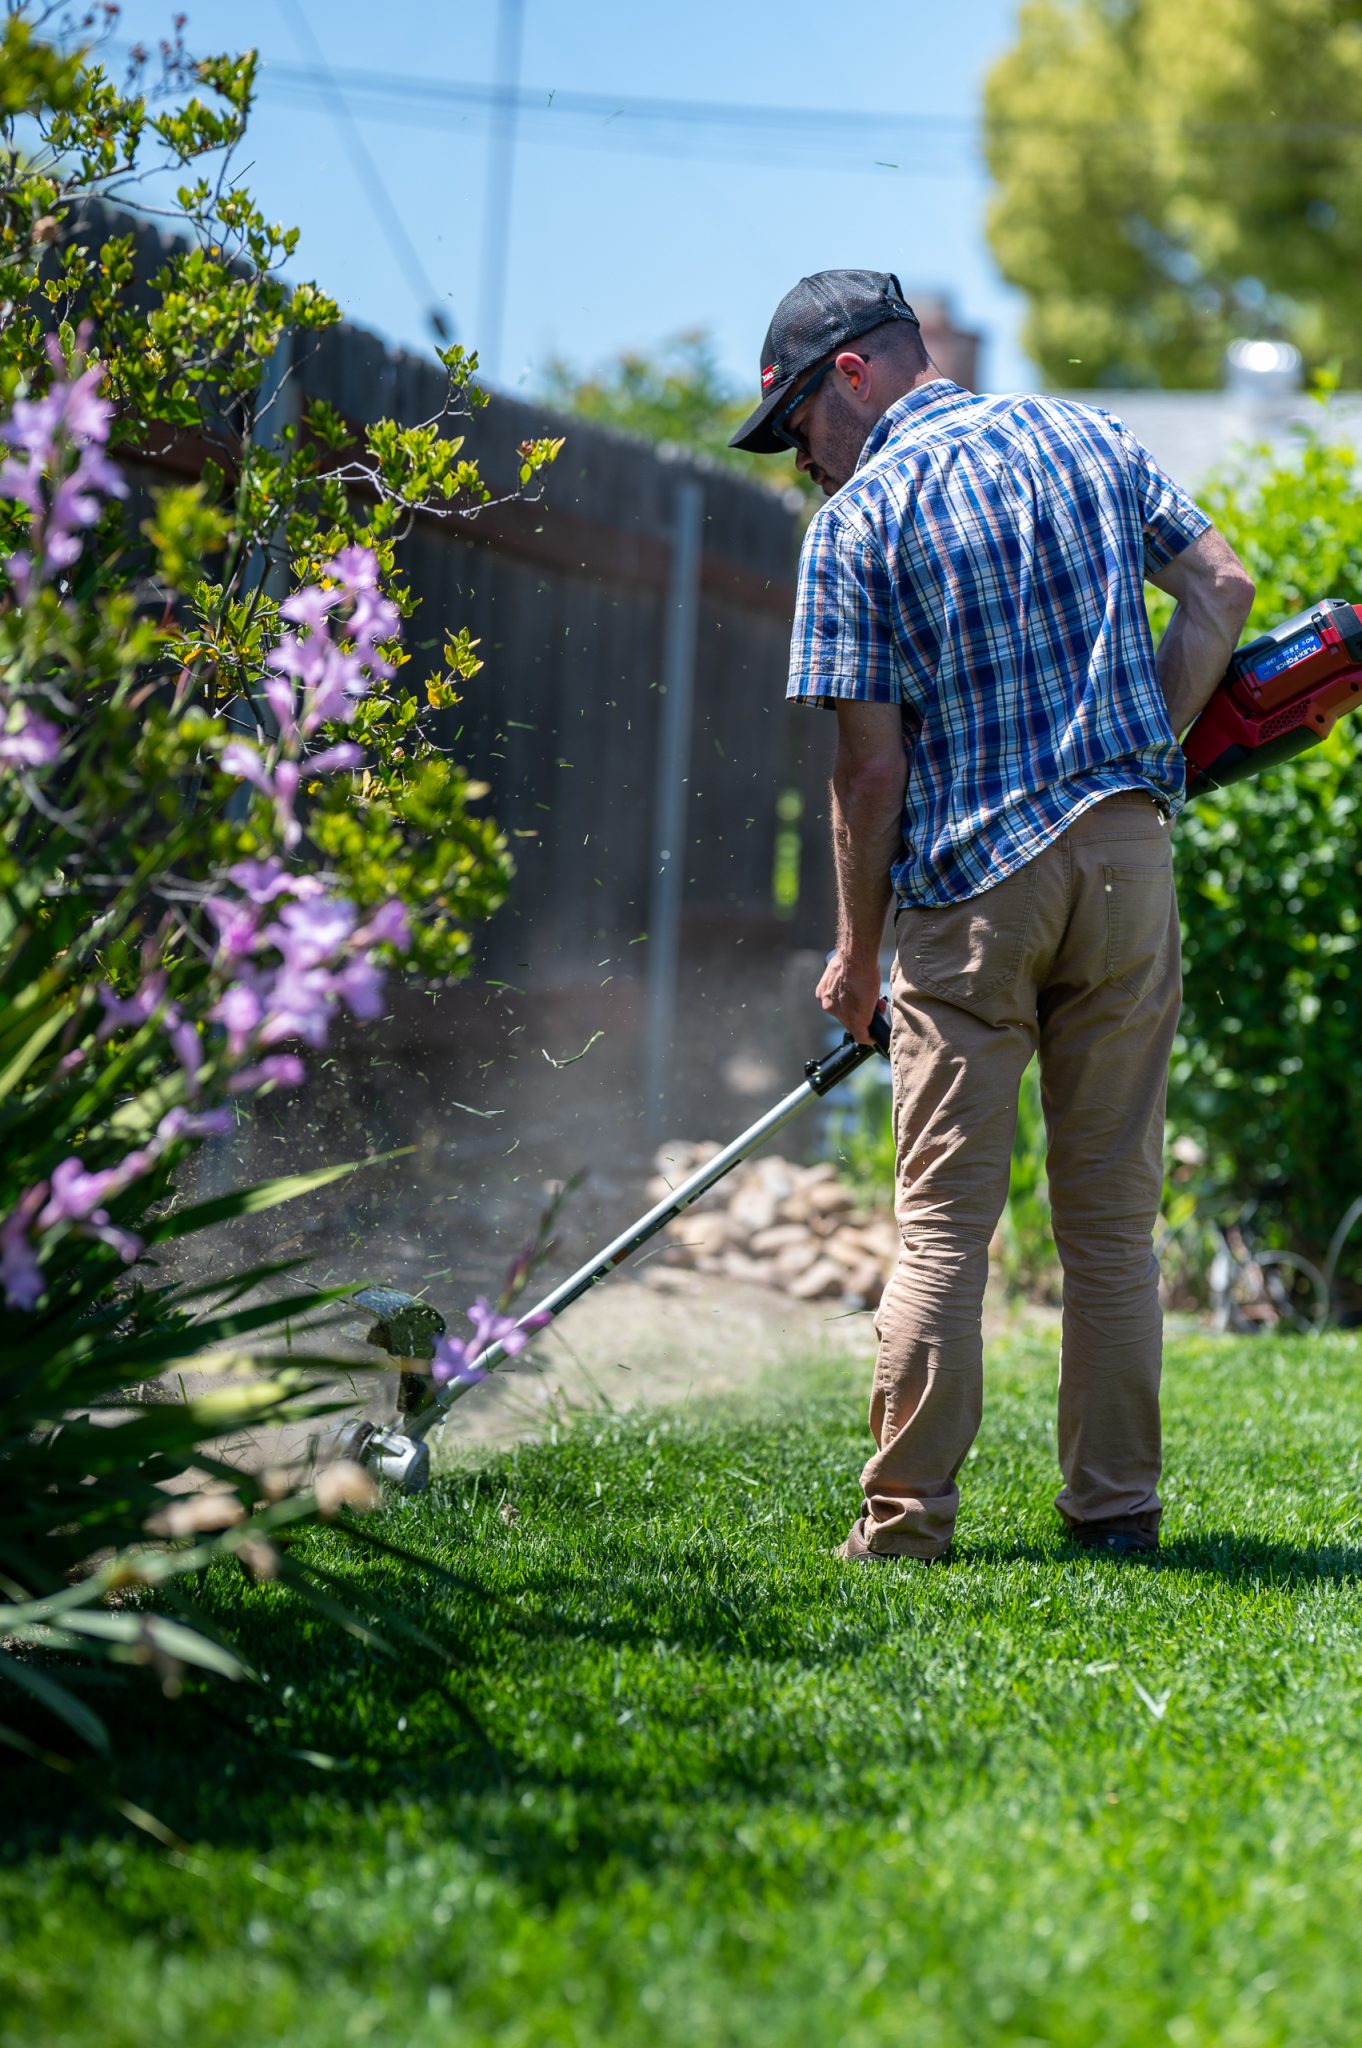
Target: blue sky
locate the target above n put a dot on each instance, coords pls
(624, 231)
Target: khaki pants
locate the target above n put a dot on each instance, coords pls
(1077, 957)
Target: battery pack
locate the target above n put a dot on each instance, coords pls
(1280, 695)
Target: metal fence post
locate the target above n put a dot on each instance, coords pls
(671, 791)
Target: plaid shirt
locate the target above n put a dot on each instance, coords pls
(983, 570)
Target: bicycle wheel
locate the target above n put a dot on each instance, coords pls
(1276, 1291)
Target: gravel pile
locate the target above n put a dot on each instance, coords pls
(776, 1224)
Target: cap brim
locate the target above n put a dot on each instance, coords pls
(755, 433)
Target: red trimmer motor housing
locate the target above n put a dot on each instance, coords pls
(1281, 694)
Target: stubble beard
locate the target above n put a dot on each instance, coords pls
(842, 439)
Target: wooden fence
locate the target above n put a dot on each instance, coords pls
(573, 599)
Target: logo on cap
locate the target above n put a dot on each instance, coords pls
(768, 376)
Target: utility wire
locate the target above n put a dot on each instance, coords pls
(394, 93)
(496, 219)
(321, 79)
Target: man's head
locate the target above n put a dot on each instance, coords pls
(843, 346)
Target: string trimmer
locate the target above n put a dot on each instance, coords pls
(1281, 694)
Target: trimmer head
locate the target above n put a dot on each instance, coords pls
(400, 1460)
(400, 1454)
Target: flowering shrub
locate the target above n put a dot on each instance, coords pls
(222, 824)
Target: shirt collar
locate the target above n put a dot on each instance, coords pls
(927, 401)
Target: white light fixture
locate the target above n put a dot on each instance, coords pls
(1260, 371)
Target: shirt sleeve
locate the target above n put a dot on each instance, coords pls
(842, 645)
(1171, 520)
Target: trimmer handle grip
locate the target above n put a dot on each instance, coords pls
(824, 1074)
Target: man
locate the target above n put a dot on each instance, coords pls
(971, 607)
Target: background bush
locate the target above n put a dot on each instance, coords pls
(1265, 1076)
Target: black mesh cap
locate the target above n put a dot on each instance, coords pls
(822, 314)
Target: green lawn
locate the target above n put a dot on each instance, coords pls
(742, 1793)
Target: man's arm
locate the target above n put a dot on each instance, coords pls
(1214, 597)
(868, 780)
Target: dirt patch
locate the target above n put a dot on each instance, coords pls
(674, 1338)
(658, 1338)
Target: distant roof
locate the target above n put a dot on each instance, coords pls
(1193, 434)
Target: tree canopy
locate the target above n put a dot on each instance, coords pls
(1168, 177)
(679, 393)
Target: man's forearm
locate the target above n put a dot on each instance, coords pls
(1214, 596)
(867, 838)
(1191, 658)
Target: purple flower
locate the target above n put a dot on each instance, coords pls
(345, 754)
(239, 1009)
(45, 430)
(242, 758)
(77, 1195)
(60, 550)
(453, 1362)
(125, 1242)
(237, 926)
(306, 659)
(280, 698)
(23, 481)
(276, 1070)
(373, 618)
(491, 1327)
(27, 741)
(331, 694)
(286, 777)
(308, 933)
(81, 413)
(361, 984)
(310, 606)
(133, 1009)
(187, 1123)
(184, 1043)
(356, 567)
(74, 503)
(263, 880)
(456, 1359)
(389, 925)
(20, 1274)
(32, 425)
(298, 1005)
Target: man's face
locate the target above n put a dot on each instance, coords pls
(828, 428)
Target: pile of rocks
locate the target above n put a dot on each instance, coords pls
(776, 1224)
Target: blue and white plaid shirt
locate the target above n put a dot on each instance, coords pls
(984, 569)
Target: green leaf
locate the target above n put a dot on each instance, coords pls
(58, 1699)
(265, 1194)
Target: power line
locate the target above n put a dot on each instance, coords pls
(322, 79)
(399, 94)
(496, 228)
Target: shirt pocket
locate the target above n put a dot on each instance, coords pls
(1140, 904)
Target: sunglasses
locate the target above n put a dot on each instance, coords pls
(780, 423)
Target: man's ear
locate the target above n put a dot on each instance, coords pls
(856, 370)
